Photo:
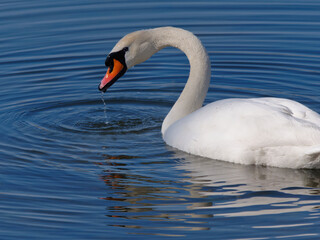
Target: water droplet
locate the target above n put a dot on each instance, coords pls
(104, 108)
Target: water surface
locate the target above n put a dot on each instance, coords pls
(66, 174)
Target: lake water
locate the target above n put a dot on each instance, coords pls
(66, 174)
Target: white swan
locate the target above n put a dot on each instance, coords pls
(265, 131)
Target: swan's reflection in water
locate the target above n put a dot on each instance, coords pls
(174, 197)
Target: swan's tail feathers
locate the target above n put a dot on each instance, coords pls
(313, 151)
(313, 155)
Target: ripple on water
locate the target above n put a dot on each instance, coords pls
(62, 121)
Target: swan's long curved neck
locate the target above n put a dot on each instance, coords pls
(196, 88)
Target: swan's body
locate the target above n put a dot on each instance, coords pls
(265, 131)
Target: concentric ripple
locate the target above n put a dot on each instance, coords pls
(69, 118)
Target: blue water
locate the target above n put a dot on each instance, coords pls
(66, 174)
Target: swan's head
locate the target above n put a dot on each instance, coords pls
(131, 50)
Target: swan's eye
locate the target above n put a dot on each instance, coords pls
(111, 66)
(125, 49)
(108, 61)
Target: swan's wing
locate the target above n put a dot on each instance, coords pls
(292, 108)
(254, 122)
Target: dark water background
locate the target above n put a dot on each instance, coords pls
(65, 174)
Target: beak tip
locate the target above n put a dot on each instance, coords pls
(103, 89)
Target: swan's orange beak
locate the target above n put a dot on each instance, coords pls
(115, 71)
